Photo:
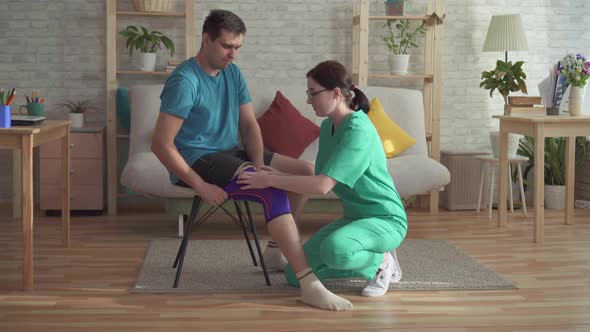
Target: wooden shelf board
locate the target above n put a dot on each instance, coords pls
(140, 72)
(401, 17)
(415, 76)
(133, 13)
(122, 135)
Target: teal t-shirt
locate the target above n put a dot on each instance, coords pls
(353, 156)
(210, 107)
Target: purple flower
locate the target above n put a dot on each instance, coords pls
(587, 64)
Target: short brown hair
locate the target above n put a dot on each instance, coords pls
(219, 19)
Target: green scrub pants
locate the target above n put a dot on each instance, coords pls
(349, 248)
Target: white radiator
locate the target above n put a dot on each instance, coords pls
(462, 192)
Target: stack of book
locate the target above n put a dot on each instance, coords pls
(172, 65)
(524, 105)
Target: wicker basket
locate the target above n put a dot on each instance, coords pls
(152, 5)
(394, 7)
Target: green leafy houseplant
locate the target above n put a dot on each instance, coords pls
(139, 38)
(555, 149)
(400, 37)
(72, 106)
(505, 78)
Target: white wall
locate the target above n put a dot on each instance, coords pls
(58, 46)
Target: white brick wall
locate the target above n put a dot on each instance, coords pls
(58, 46)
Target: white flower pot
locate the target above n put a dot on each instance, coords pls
(148, 61)
(513, 141)
(77, 120)
(555, 197)
(576, 101)
(398, 63)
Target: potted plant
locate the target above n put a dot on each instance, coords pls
(505, 78)
(139, 38)
(577, 71)
(554, 178)
(76, 110)
(400, 37)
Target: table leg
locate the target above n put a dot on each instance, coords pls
(570, 170)
(27, 209)
(492, 183)
(510, 188)
(539, 169)
(65, 201)
(503, 175)
(482, 177)
(520, 183)
(16, 184)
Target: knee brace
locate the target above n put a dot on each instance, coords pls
(274, 201)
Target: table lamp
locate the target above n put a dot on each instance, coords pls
(505, 33)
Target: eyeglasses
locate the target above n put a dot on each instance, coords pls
(311, 94)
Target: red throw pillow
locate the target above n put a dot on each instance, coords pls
(285, 130)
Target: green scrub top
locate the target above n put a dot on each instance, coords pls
(353, 156)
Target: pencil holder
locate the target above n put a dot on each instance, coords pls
(5, 117)
(36, 109)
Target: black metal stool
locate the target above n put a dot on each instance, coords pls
(193, 221)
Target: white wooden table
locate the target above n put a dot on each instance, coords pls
(539, 127)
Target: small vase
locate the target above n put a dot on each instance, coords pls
(398, 63)
(77, 120)
(576, 101)
(555, 197)
(148, 61)
(513, 142)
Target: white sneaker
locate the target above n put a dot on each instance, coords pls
(396, 276)
(380, 284)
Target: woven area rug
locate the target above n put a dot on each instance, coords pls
(225, 266)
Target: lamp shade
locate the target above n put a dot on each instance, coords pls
(505, 33)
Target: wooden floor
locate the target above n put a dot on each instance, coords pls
(85, 287)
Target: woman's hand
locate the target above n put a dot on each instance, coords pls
(254, 180)
(271, 171)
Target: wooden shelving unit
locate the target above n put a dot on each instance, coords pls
(112, 76)
(130, 13)
(431, 75)
(139, 72)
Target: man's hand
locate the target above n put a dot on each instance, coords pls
(254, 180)
(211, 194)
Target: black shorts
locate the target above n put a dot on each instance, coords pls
(218, 168)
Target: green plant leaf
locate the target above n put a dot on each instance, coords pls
(139, 38)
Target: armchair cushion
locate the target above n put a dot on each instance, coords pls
(285, 130)
(414, 175)
(394, 139)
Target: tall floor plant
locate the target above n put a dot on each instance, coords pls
(555, 150)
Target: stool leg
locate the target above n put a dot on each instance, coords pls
(520, 182)
(179, 261)
(255, 235)
(510, 187)
(493, 175)
(245, 231)
(482, 176)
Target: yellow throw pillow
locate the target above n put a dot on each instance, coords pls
(394, 139)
